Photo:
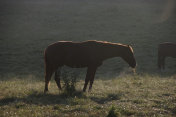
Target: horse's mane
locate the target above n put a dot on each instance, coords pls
(106, 42)
(103, 43)
(131, 49)
(95, 41)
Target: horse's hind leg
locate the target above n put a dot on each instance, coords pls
(48, 75)
(159, 62)
(57, 77)
(163, 62)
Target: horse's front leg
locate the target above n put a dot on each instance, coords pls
(57, 77)
(92, 77)
(89, 77)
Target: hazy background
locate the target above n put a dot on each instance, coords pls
(28, 26)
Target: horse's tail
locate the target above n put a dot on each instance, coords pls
(45, 61)
(48, 72)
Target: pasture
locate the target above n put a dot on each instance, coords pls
(28, 27)
(140, 95)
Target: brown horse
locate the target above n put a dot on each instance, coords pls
(90, 54)
(166, 49)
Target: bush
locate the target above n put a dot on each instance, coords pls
(69, 83)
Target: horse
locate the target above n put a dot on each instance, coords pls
(90, 54)
(166, 49)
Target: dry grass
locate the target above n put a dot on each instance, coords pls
(139, 95)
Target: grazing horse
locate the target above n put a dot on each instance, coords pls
(166, 49)
(90, 54)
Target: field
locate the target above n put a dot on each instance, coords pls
(131, 96)
(27, 27)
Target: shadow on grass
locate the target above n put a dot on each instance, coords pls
(38, 98)
(44, 99)
(108, 98)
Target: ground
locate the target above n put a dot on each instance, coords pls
(131, 95)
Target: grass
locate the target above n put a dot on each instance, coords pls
(131, 95)
(113, 113)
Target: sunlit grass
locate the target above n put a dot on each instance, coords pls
(138, 95)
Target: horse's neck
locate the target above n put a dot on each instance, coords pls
(114, 51)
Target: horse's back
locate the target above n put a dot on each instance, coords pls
(75, 47)
(167, 49)
(167, 46)
(69, 53)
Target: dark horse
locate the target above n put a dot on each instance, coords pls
(90, 54)
(166, 49)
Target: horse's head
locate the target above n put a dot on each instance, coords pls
(128, 56)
